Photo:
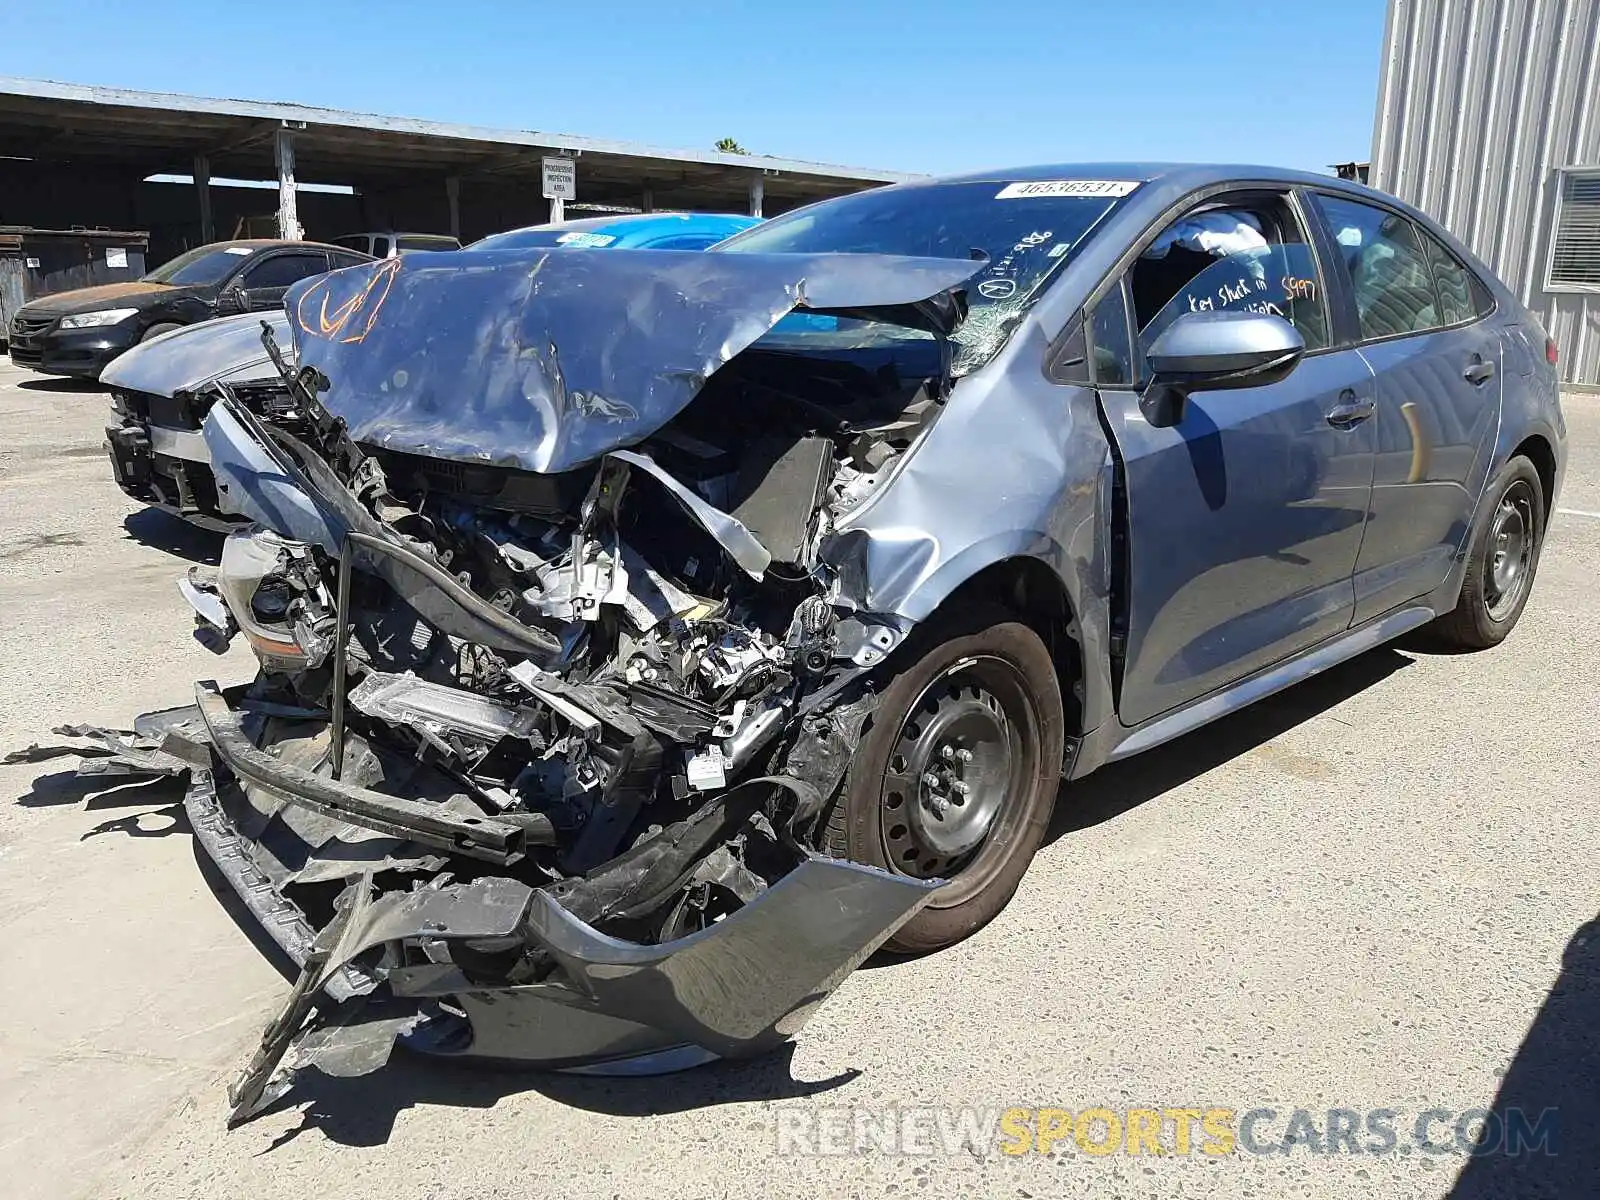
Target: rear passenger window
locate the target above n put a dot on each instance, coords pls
(1453, 283)
(1388, 268)
(284, 269)
(1462, 295)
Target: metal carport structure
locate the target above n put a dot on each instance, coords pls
(421, 174)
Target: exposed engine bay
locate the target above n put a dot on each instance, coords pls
(612, 643)
(560, 737)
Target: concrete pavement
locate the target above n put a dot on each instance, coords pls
(1357, 895)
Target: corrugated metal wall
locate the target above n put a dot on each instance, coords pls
(1480, 104)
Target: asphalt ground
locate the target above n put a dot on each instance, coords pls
(1376, 892)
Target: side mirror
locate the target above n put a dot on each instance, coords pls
(233, 300)
(1214, 351)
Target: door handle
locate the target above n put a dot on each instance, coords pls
(1350, 411)
(1479, 372)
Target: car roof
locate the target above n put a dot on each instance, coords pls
(270, 243)
(1167, 182)
(1186, 174)
(1173, 177)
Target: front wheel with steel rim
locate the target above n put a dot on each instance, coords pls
(1503, 555)
(957, 770)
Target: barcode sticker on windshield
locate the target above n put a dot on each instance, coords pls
(1027, 189)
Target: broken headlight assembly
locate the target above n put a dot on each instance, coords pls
(270, 589)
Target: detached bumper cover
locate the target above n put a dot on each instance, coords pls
(383, 968)
(737, 989)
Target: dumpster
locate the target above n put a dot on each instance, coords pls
(41, 262)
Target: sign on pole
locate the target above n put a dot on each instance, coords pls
(560, 179)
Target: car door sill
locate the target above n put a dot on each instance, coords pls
(1265, 683)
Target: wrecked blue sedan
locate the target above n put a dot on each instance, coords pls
(646, 638)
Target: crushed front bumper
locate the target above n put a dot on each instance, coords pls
(383, 968)
(735, 990)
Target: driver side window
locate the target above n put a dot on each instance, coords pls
(1230, 256)
(284, 269)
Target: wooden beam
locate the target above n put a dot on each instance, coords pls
(288, 217)
(260, 133)
(202, 185)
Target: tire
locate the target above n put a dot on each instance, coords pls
(156, 331)
(1507, 535)
(978, 683)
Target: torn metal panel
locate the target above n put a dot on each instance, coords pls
(546, 360)
(731, 535)
(118, 752)
(941, 513)
(252, 482)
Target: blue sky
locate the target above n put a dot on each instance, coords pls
(932, 86)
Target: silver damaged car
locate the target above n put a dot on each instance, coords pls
(647, 638)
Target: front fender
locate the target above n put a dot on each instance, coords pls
(1017, 466)
(910, 573)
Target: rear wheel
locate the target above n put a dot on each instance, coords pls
(957, 772)
(156, 331)
(1507, 535)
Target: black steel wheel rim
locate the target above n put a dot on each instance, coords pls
(958, 774)
(1509, 561)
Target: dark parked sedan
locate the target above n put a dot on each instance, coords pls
(79, 332)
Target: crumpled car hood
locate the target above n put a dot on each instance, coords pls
(228, 350)
(544, 360)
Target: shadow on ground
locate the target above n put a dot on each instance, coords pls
(1553, 1085)
(160, 530)
(1118, 787)
(97, 793)
(93, 792)
(61, 383)
(362, 1111)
